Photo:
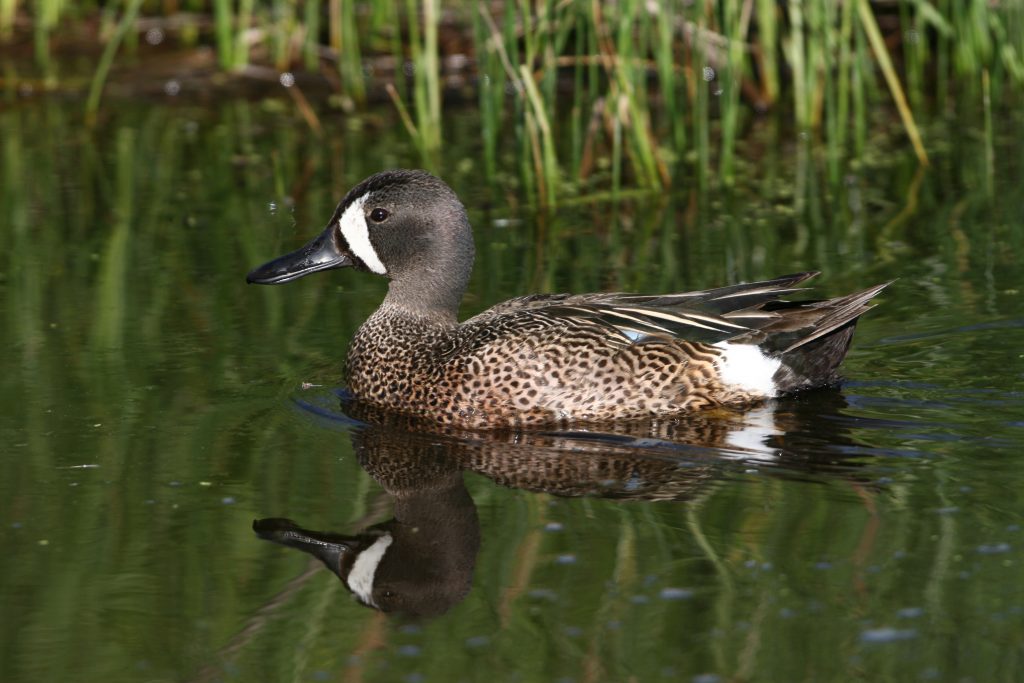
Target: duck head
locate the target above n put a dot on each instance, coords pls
(408, 226)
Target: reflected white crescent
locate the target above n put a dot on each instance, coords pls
(360, 578)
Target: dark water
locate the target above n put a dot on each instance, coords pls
(152, 406)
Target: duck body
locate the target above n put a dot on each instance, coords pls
(553, 358)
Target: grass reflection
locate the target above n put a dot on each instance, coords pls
(133, 344)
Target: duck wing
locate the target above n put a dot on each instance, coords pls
(706, 316)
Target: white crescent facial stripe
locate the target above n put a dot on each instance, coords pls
(353, 226)
(360, 578)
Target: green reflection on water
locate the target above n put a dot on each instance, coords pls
(147, 419)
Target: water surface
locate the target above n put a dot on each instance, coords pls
(153, 406)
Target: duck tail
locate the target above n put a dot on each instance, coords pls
(817, 338)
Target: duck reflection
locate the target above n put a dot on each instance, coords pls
(421, 562)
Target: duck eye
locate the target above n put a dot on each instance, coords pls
(379, 215)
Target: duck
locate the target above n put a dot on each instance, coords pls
(553, 359)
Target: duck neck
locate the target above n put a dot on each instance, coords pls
(431, 296)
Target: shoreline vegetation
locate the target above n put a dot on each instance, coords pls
(633, 92)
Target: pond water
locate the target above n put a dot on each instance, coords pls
(154, 406)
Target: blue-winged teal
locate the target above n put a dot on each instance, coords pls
(553, 358)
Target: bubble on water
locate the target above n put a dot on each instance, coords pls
(993, 548)
(287, 79)
(672, 593)
(543, 594)
(708, 74)
(155, 36)
(887, 634)
(477, 641)
(172, 88)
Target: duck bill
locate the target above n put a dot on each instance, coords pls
(331, 549)
(320, 253)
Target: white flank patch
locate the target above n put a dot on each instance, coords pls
(744, 366)
(357, 234)
(360, 579)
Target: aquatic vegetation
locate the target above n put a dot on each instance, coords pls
(588, 94)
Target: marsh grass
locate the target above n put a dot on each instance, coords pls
(583, 96)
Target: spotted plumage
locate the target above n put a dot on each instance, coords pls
(544, 359)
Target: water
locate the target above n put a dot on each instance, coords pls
(153, 406)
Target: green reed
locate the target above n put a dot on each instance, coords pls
(659, 91)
